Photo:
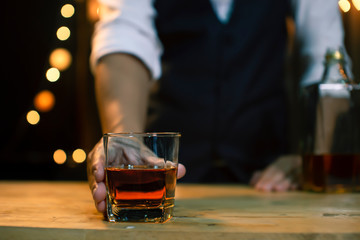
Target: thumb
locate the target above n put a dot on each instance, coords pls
(181, 171)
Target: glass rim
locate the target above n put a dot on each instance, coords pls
(143, 134)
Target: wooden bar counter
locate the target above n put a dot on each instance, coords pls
(64, 210)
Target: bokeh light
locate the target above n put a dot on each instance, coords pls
(53, 74)
(67, 10)
(356, 4)
(59, 156)
(63, 33)
(44, 101)
(60, 58)
(93, 10)
(33, 117)
(79, 156)
(344, 5)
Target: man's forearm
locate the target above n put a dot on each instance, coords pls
(122, 85)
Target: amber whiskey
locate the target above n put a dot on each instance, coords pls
(141, 193)
(334, 173)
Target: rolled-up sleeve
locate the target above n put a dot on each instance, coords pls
(318, 27)
(127, 26)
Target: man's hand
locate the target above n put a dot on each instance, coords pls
(282, 175)
(96, 171)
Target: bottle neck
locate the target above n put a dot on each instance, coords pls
(335, 73)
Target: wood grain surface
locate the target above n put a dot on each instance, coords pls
(64, 210)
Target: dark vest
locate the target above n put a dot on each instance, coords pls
(222, 86)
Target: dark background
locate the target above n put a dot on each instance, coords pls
(29, 36)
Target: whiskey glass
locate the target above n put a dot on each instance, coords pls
(140, 172)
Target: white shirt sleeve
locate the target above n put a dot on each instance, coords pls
(127, 26)
(318, 27)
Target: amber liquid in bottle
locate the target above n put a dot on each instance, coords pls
(334, 173)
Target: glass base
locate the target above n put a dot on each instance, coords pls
(152, 215)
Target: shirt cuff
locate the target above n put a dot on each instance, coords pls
(119, 36)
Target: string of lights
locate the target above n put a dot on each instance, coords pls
(60, 59)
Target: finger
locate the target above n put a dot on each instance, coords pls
(99, 192)
(283, 185)
(131, 156)
(96, 162)
(284, 167)
(100, 206)
(181, 171)
(269, 178)
(95, 159)
(277, 184)
(255, 178)
(156, 161)
(99, 172)
(89, 166)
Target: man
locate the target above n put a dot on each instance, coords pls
(220, 67)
